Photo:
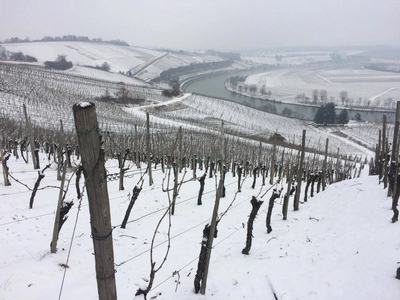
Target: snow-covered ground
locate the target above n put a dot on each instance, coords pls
(339, 245)
(106, 76)
(120, 58)
(146, 64)
(365, 88)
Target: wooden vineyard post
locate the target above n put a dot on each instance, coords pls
(394, 145)
(272, 170)
(384, 153)
(148, 148)
(324, 165)
(60, 151)
(31, 139)
(378, 156)
(383, 146)
(396, 187)
(137, 158)
(53, 244)
(300, 173)
(214, 219)
(92, 158)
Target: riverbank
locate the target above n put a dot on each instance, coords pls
(214, 86)
(228, 87)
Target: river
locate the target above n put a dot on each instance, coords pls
(213, 86)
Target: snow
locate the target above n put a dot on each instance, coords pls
(146, 64)
(106, 76)
(339, 245)
(361, 84)
(121, 58)
(84, 104)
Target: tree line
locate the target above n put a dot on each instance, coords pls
(15, 56)
(66, 38)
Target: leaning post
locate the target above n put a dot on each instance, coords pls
(92, 158)
(31, 138)
(53, 244)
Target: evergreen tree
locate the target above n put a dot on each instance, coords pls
(325, 114)
(330, 113)
(343, 117)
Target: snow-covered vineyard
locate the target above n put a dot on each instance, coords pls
(296, 220)
(298, 259)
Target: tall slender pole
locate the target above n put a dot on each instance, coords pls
(53, 245)
(92, 158)
(31, 138)
(300, 173)
(394, 145)
(148, 149)
(383, 153)
(324, 165)
(214, 218)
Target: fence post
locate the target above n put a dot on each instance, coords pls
(31, 138)
(300, 173)
(53, 244)
(148, 149)
(384, 153)
(214, 218)
(92, 158)
(324, 165)
(394, 145)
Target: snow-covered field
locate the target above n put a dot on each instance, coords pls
(146, 64)
(121, 58)
(287, 58)
(365, 88)
(240, 120)
(339, 245)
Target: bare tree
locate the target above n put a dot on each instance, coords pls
(343, 96)
(323, 94)
(315, 94)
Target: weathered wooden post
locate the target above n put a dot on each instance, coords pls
(300, 173)
(148, 149)
(324, 165)
(53, 244)
(60, 151)
(394, 145)
(384, 152)
(31, 139)
(92, 158)
(272, 172)
(213, 219)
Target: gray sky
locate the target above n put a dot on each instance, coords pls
(229, 25)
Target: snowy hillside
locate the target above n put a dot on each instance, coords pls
(145, 64)
(339, 245)
(120, 58)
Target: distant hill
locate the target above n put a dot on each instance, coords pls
(120, 58)
(144, 64)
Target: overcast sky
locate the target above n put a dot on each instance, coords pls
(229, 25)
